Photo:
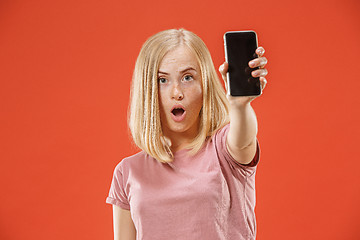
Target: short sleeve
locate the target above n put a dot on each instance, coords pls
(220, 142)
(117, 194)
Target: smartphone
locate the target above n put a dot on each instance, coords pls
(240, 49)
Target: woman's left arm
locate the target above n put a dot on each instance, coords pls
(241, 139)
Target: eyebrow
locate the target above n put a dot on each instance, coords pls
(182, 71)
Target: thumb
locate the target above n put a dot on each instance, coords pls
(223, 70)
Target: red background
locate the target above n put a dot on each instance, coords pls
(65, 70)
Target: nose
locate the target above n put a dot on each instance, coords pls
(177, 92)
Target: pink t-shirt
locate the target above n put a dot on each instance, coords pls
(207, 196)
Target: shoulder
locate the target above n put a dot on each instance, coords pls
(215, 141)
(140, 156)
(133, 159)
(219, 141)
(220, 133)
(134, 162)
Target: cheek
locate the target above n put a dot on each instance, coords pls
(194, 90)
(161, 96)
(197, 94)
(162, 101)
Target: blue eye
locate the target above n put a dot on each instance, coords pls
(162, 80)
(188, 77)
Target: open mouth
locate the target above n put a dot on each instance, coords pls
(178, 112)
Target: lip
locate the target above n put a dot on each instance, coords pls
(178, 118)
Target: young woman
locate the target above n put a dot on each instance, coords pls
(195, 175)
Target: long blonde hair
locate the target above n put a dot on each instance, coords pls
(144, 113)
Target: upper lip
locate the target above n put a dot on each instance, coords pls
(177, 106)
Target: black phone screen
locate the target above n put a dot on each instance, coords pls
(239, 50)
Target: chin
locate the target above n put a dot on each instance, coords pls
(182, 127)
(179, 128)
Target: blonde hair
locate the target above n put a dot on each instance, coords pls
(144, 113)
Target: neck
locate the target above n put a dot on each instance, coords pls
(180, 143)
(181, 140)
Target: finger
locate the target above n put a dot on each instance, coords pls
(263, 83)
(223, 70)
(258, 62)
(260, 51)
(262, 72)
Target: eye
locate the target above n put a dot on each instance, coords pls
(188, 77)
(162, 80)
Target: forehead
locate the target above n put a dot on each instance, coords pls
(180, 56)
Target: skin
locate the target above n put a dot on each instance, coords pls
(176, 87)
(180, 84)
(241, 139)
(124, 228)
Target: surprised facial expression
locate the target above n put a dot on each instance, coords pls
(180, 93)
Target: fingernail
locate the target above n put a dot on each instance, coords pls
(252, 64)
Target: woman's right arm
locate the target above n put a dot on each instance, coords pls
(124, 228)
